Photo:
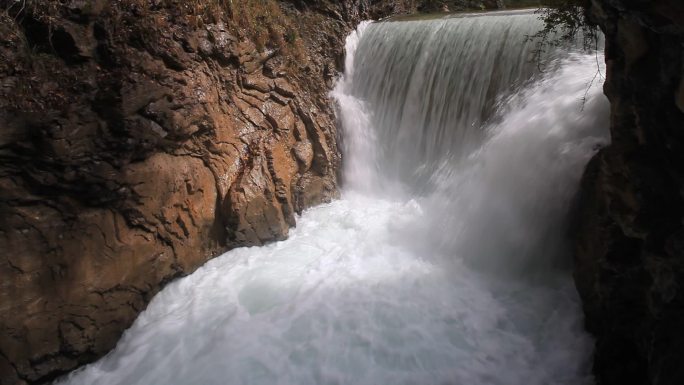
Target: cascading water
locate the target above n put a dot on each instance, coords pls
(445, 260)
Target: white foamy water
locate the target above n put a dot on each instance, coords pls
(451, 269)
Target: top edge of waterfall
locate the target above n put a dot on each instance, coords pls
(460, 15)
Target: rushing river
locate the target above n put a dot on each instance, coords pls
(445, 261)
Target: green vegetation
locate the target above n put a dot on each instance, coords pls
(265, 23)
(262, 21)
(566, 19)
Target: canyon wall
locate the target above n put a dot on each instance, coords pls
(630, 246)
(138, 139)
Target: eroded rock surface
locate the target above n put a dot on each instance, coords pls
(630, 248)
(134, 146)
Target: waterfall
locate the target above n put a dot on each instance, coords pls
(426, 87)
(455, 111)
(445, 261)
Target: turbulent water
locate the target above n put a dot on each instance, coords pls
(445, 262)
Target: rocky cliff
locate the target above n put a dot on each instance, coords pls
(137, 140)
(630, 248)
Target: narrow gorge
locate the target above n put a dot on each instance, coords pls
(261, 191)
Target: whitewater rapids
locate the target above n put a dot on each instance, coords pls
(445, 261)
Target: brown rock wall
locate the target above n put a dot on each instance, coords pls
(135, 146)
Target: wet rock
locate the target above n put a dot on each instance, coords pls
(629, 254)
(304, 153)
(280, 117)
(221, 43)
(284, 88)
(256, 82)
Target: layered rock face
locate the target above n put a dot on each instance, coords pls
(136, 142)
(630, 248)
